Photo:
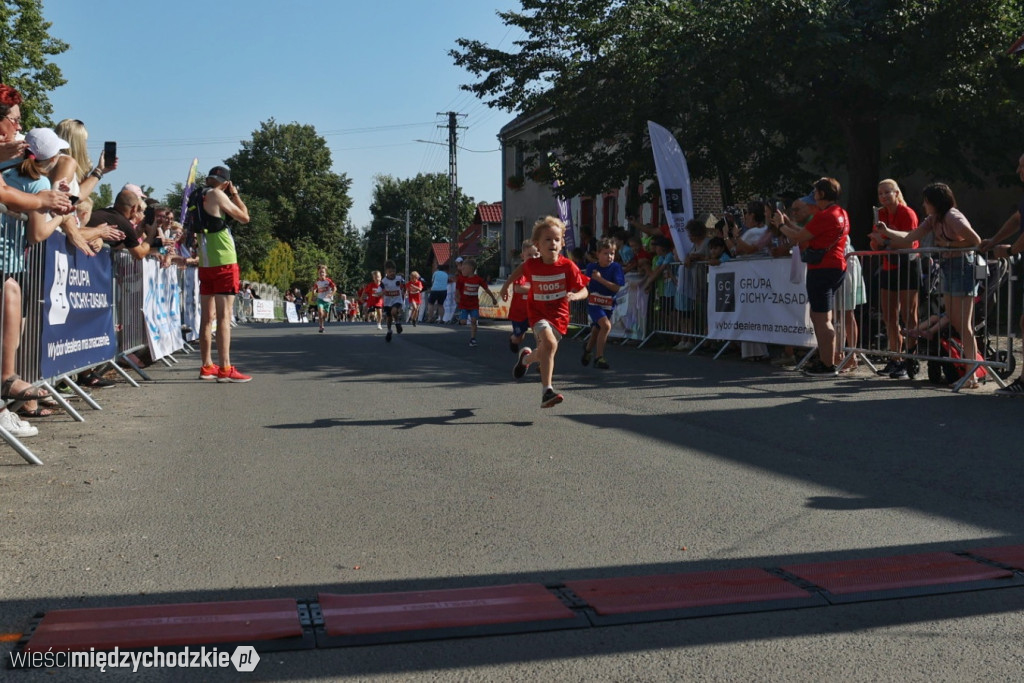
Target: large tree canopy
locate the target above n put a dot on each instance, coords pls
(762, 93)
(25, 44)
(426, 197)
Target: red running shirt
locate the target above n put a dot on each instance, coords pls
(467, 289)
(549, 287)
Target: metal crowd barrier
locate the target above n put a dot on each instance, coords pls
(891, 307)
(903, 317)
(27, 275)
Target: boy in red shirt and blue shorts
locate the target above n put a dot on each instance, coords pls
(467, 290)
(554, 282)
(517, 313)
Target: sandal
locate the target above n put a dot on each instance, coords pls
(30, 394)
(36, 412)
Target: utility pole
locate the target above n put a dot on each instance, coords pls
(453, 183)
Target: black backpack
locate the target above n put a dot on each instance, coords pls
(194, 219)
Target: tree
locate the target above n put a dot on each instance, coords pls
(102, 196)
(25, 44)
(289, 166)
(763, 94)
(279, 266)
(426, 198)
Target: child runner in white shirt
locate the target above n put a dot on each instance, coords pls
(392, 288)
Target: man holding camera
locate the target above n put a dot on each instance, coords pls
(218, 272)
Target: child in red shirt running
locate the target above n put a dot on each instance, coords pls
(554, 282)
(414, 291)
(517, 314)
(467, 291)
(371, 295)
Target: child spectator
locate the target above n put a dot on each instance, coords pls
(517, 310)
(554, 282)
(414, 291)
(467, 291)
(392, 288)
(325, 289)
(606, 278)
(717, 253)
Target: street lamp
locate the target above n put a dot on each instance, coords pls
(408, 216)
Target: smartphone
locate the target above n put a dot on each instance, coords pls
(109, 152)
(73, 198)
(780, 206)
(875, 210)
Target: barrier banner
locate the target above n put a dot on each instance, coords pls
(190, 311)
(756, 301)
(161, 303)
(78, 309)
(498, 311)
(263, 309)
(290, 313)
(629, 319)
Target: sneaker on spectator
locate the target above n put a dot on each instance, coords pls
(889, 368)
(818, 369)
(900, 371)
(1015, 388)
(585, 359)
(520, 368)
(685, 345)
(602, 364)
(550, 398)
(472, 341)
(231, 374)
(209, 371)
(15, 425)
(398, 328)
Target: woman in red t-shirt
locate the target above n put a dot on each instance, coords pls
(899, 275)
(828, 230)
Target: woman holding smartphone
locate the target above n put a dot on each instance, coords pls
(75, 168)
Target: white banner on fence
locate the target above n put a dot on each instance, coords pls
(755, 301)
(161, 303)
(629, 319)
(263, 309)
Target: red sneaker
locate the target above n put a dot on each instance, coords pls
(231, 374)
(210, 371)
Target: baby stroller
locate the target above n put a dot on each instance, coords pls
(937, 337)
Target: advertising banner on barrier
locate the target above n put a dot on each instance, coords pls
(263, 309)
(629, 319)
(161, 303)
(78, 309)
(190, 303)
(756, 301)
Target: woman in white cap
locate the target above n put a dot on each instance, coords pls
(29, 176)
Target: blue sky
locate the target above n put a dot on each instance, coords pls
(369, 76)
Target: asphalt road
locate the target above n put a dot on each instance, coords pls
(349, 465)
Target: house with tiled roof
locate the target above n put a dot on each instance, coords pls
(485, 229)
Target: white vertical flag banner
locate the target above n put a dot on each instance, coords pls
(161, 308)
(674, 181)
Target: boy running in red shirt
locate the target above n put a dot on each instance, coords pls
(414, 289)
(467, 291)
(370, 295)
(554, 282)
(517, 314)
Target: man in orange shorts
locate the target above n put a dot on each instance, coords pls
(218, 272)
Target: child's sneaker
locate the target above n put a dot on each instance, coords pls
(398, 328)
(209, 371)
(602, 364)
(520, 369)
(472, 341)
(585, 359)
(387, 337)
(550, 398)
(231, 374)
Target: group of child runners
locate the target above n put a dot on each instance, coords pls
(541, 289)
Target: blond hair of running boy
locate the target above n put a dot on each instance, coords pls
(555, 281)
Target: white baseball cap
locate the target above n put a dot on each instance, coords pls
(44, 143)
